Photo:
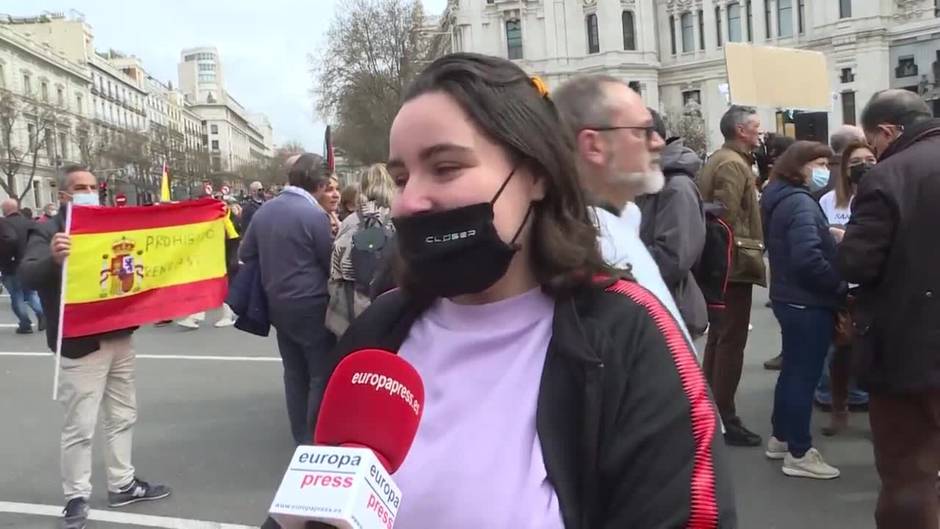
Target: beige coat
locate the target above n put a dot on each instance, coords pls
(727, 178)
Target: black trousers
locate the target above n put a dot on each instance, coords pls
(304, 343)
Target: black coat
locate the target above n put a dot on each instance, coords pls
(892, 249)
(20, 226)
(629, 435)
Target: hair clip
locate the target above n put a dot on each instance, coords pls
(539, 85)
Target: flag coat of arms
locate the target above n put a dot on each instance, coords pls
(137, 265)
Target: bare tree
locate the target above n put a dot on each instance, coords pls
(374, 49)
(92, 143)
(690, 126)
(37, 122)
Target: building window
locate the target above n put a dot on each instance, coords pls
(847, 76)
(593, 39)
(750, 20)
(78, 103)
(845, 8)
(31, 132)
(936, 9)
(718, 24)
(801, 16)
(768, 27)
(701, 29)
(214, 129)
(734, 22)
(3, 76)
(215, 145)
(63, 146)
(672, 32)
(691, 96)
(60, 96)
(688, 34)
(784, 18)
(629, 31)
(848, 108)
(514, 39)
(27, 85)
(50, 145)
(906, 67)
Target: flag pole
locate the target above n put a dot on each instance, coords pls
(58, 338)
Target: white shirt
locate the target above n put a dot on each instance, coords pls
(835, 215)
(632, 216)
(622, 248)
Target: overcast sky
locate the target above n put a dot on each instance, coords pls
(263, 44)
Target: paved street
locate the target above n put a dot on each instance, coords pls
(212, 424)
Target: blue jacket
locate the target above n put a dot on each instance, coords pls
(246, 297)
(802, 251)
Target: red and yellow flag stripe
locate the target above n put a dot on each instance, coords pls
(136, 265)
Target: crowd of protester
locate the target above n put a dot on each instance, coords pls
(561, 252)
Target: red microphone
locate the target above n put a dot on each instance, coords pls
(373, 400)
(367, 422)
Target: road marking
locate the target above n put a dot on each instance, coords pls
(8, 325)
(145, 520)
(165, 357)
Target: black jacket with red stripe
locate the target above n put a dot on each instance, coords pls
(629, 433)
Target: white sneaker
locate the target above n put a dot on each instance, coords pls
(811, 465)
(224, 322)
(776, 449)
(188, 323)
(199, 317)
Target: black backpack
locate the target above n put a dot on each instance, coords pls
(714, 265)
(368, 244)
(9, 244)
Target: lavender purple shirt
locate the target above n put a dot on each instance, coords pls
(476, 461)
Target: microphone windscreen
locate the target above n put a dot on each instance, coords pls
(374, 399)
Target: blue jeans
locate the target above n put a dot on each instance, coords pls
(857, 397)
(807, 333)
(19, 298)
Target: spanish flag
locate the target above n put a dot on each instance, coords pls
(137, 265)
(165, 184)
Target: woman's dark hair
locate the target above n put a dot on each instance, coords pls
(842, 185)
(773, 146)
(308, 173)
(789, 167)
(503, 102)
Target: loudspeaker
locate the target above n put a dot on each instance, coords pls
(812, 126)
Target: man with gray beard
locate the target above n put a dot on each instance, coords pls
(618, 151)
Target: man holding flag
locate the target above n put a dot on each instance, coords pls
(97, 371)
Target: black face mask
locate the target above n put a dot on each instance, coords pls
(857, 172)
(455, 252)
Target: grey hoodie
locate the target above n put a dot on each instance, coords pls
(673, 228)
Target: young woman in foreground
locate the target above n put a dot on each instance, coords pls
(557, 396)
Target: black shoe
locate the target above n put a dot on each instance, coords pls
(163, 323)
(137, 491)
(24, 330)
(738, 435)
(75, 514)
(769, 304)
(775, 363)
(41, 323)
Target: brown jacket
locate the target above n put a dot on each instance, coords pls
(727, 179)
